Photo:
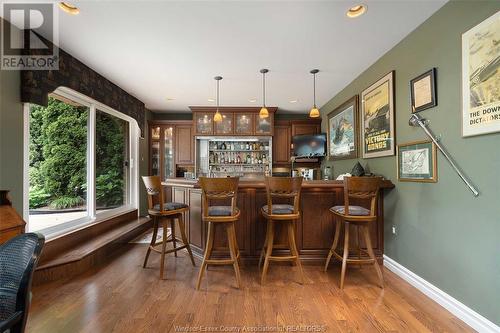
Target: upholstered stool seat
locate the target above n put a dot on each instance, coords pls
(279, 209)
(170, 206)
(353, 210)
(221, 211)
(165, 213)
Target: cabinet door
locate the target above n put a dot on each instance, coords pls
(168, 152)
(184, 145)
(154, 162)
(301, 129)
(264, 126)
(281, 144)
(225, 126)
(243, 123)
(203, 123)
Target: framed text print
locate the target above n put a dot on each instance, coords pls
(481, 78)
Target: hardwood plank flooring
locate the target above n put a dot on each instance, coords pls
(121, 296)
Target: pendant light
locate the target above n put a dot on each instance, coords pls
(263, 111)
(314, 113)
(217, 115)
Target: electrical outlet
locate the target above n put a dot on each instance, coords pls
(394, 230)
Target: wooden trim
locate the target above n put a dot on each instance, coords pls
(251, 109)
(169, 122)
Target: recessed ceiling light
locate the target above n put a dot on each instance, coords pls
(69, 8)
(170, 99)
(293, 101)
(211, 100)
(252, 100)
(356, 11)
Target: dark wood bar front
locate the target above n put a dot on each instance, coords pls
(314, 230)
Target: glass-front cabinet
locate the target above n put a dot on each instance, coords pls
(155, 151)
(168, 153)
(263, 126)
(203, 123)
(225, 126)
(243, 123)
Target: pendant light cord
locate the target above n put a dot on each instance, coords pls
(218, 95)
(264, 89)
(314, 89)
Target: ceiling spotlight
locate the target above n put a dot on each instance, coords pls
(252, 100)
(211, 100)
(356, 11)
(170, 99)
(293, 101)
(69, 8)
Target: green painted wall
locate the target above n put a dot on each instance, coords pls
(444, 234)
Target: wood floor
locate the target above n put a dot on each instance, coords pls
(122, 297)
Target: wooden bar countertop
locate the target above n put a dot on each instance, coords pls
(314, 229)
(259, 183)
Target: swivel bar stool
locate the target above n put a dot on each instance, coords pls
(165, 212)
(359, 189)
(286, 188)
(220, 189)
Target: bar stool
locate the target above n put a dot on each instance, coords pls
(289, 188)
(361, 189)
(164, 212)
(220, 189)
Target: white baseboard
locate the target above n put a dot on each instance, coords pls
(464, 313)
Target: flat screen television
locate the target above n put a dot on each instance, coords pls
(309, 145)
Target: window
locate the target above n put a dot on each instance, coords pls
(81, 157)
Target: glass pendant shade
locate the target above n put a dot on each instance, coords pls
(263, 112)
(217, 116)
(314, 113)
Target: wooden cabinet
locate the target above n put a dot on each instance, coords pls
(184, 144)
(171, 144)
(11, 224)
(302, 127)
(244, 121)
(281, 144)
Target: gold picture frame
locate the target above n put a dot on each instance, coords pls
(417, 162)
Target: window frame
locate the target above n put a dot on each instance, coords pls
(132, 198)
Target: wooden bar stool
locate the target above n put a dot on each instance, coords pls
(165, 212)
(361, 189)
(220, 189)
(287, 214)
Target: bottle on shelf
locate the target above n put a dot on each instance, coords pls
(247, 147)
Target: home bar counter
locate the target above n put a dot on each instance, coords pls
(314, 230)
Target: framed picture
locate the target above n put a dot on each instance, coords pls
(481, 78)
(417, 162)
(423, 91)
(343, 131)
(377, 118)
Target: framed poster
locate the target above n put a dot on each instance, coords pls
(417, 162)
(423, 91)
(343, 131)
(377, 118)
(481, 78)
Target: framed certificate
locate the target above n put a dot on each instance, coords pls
(423, 91)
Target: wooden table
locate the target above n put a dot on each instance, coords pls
(314, 231)
(11, 224)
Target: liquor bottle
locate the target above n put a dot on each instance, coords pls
(238, 159)
(247, 147)
(248, 160)
(232, 145)
(211, 159)
(264, 159)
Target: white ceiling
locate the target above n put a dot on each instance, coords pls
(172, 49)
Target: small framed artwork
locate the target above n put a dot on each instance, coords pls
(480, 78)
(423, 91)
(343, 131)
(377, 118)
(417, 162)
